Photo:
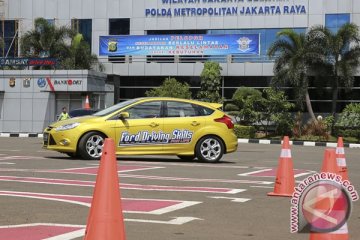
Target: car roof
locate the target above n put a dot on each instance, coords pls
(208, 104)
(83, 109)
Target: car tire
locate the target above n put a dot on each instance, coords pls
(209, 149)
(91, 144)
(186, 157)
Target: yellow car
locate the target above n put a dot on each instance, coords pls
(171, 126)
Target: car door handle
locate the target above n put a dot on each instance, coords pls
(195, 123)
(153, 124)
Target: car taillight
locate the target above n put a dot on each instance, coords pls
(227, 120)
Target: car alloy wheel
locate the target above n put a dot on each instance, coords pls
(210, 149)
(91, 145)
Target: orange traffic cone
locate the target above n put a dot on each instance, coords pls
(329, 162)
(341, 160)
(285, 180)
(340, 234)
(87, 104)
(105, 219)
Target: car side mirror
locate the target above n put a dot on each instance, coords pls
(124, 115)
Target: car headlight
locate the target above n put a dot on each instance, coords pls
(67, 127)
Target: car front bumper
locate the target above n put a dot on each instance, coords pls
(62, 141)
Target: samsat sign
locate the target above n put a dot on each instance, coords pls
(68, 82)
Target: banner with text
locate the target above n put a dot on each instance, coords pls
(244, 44)
(224, 8)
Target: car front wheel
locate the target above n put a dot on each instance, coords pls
(209, 149)
(91, 145)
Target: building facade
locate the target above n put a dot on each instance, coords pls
(133, 75)
(31, 99)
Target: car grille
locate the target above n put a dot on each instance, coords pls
(48, 139)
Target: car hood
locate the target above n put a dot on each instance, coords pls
(87, 119)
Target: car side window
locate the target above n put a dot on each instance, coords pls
(180, 109)
(145, 110)
(204, 111)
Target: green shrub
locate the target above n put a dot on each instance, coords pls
(230, 107)
(318, 129)
(170, 88)
(348, 124)
(244, 131)
(249, 102)
(346, 132)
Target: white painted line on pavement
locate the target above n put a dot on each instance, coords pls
(175, 221)
(69, 236)
(303, 174)
(124, 163)
(182, 204)
(241, 200)
(254, 172)
(140, 169)
(16, 170)
(39, 224)
(66, 236)
(7, 163)
(194, 179)
(234, 191)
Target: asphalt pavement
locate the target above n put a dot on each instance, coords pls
(45, 194)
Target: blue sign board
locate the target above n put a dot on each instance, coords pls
(191, 44)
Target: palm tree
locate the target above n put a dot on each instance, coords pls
(341, 52)
(46, 40)
(295, 55)
(62, 43)
(81, 56)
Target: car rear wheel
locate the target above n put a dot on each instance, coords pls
(186, 157)
(209, 149)
(91, 145)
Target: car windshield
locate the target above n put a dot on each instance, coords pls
(81, 112)
(115, 107)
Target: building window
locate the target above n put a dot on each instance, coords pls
(335, 21)
(83, 26)
(119, 26)
(9, 33)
